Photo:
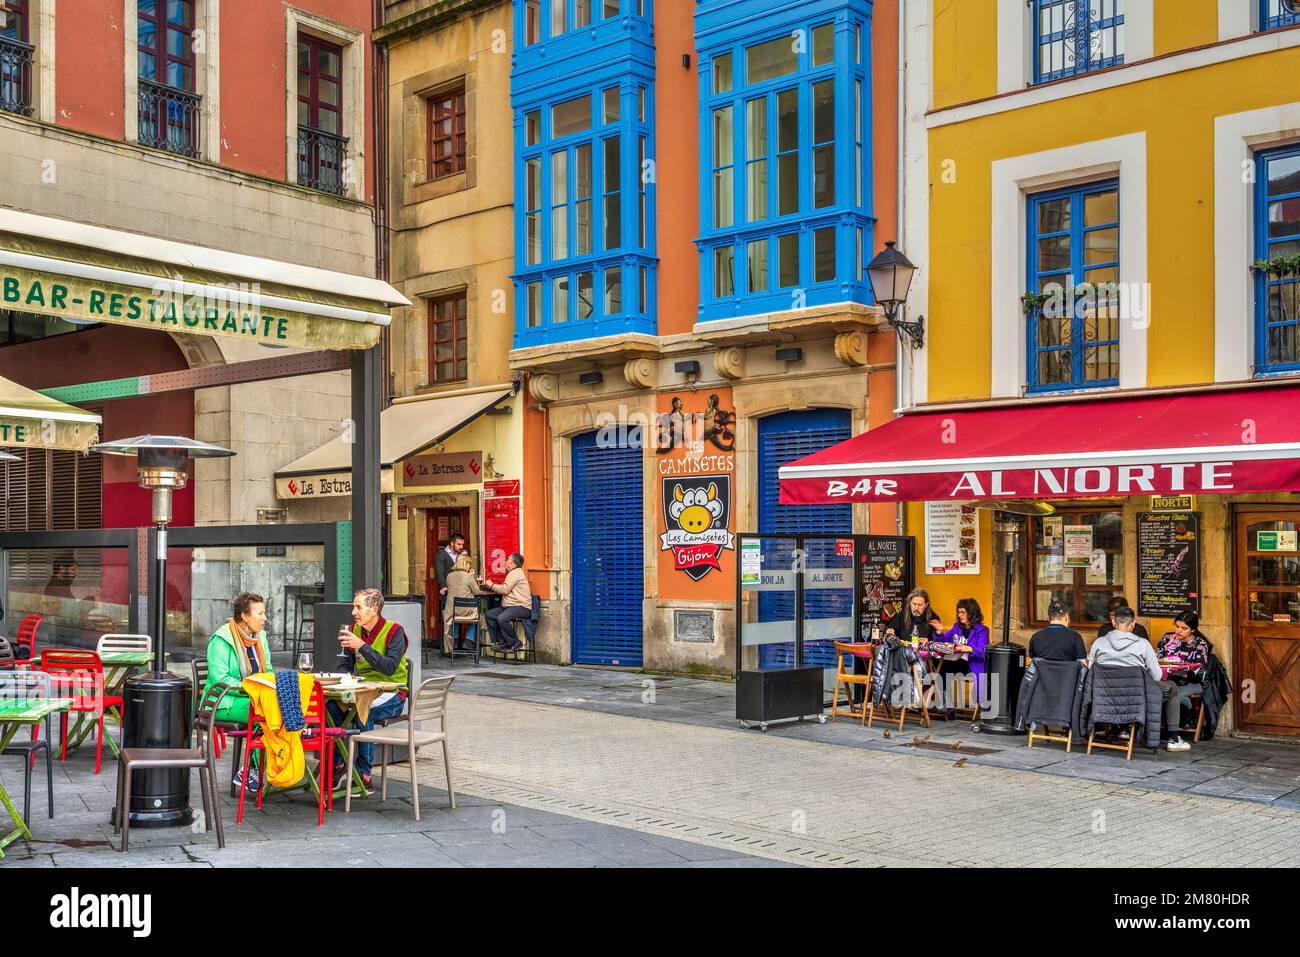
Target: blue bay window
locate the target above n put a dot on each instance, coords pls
(1278, 13)
(584, 148)
(1073, 252)
(1076, 36)
(785, 178)
(1277, 236)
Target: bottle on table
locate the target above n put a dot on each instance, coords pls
(916, 637)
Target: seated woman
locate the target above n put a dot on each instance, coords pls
(969, 638)
(460, 584)
(238, 649)
(1185, 643)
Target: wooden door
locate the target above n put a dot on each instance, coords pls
(1266, 648)
(443, 523)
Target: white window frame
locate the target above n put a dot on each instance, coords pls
(353, 43)
(1237, 137)
(207, 76)
(1122, 157)
(1016, 37)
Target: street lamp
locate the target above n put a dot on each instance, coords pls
(156, 705)
(891, 275)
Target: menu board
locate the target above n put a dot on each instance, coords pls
(885, 576)
(1169, 563)
(500, 533)
(952, 538)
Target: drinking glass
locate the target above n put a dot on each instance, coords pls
(306, 662)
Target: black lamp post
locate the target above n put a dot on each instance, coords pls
(156, 705)
(891, 275)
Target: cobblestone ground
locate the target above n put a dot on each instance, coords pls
(808, 802)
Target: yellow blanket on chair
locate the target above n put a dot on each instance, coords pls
(285, 764)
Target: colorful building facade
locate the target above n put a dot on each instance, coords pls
(1147, 155)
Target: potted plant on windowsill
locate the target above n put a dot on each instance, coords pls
(1287, 270)
(1033, 302)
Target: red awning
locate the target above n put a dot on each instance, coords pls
(1243, 440)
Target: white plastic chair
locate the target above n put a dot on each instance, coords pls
(113, 644)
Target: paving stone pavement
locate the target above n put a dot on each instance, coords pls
(793, 800)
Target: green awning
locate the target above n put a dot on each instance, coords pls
(85, 273)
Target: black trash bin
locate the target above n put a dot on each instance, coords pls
(156, 714)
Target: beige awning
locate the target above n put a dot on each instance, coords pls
(30, 420)
(405, 428)
(85, 273)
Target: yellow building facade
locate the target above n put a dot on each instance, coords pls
(1166, 126)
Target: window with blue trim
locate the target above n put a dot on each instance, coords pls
(1076, 36)
(1073, 247)
(586, 224)
(785, 177)
(1277, 237)
(554, 18)
(1278, 13)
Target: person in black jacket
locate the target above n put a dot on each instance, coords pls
(917, 619)
(1116, 602)
(1058, 641)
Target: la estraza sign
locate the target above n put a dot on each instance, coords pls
(1252, 475)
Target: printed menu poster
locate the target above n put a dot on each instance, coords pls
(884, 578)
(500, 527)
(951, 538)
(1078, 546)
(1169, 563)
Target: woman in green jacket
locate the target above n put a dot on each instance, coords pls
(238, 649)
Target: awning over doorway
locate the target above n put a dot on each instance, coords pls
(85, 273)
(405, 428)
(29, 420)
(1240, 440)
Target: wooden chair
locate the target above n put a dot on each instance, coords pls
(201, 757)
(428, 704)
(1064, 736)
(966, 689)
(1198, 702)
(919, 713)
(112, 644)
(850, 679)
(1126, 748)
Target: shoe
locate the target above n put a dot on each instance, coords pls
(368, 781)
(254, 782)
(1123, 735)
(1177, 744)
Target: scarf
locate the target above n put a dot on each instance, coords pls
(248, 642)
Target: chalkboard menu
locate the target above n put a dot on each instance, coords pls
(885, 576)
(1169, 563)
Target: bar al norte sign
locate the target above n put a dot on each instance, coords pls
(174, 304)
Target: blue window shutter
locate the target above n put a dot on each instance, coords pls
(608, 553)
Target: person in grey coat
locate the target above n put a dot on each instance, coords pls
(1121, 648)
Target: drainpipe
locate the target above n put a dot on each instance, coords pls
(901, 204)
(379, 181)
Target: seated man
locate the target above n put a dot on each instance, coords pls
(517, 603)
(376, 651)
(1058, 641)
(1121, 648)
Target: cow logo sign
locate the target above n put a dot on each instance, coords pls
(697, 511)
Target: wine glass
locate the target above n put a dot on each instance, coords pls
(306, 662)
(344, 631)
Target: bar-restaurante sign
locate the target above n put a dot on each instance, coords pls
(1159, 479)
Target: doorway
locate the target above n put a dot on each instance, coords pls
(442, 524)
(1266, 646)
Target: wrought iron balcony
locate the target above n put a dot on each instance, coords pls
(16, 76)
(322, 159)
(169, 118)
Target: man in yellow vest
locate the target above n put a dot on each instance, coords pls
(377, 649)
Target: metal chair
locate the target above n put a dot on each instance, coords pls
(465, 614)
(26, 637)
(31, 684)
(201, 757)
(199, 673)
(112, 644)
(428, 704)
(8, 659)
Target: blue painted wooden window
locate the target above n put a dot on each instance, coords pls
(1278, 13)
(782, 439)
(555, 18)
(1277, 235)
(1076, 36)
(785, 172)
(1073, 248)
(585, 226)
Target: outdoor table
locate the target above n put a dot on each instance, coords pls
(118, 666)
(15, 714)
(357, 699)
(1182, 667)
(486, 600)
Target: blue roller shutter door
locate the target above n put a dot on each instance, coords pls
(608, 553)
(782, 439)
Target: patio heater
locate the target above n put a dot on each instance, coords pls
(156, 705)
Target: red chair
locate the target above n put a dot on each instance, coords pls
(316, 737)
(75, 673)
(26, 637)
